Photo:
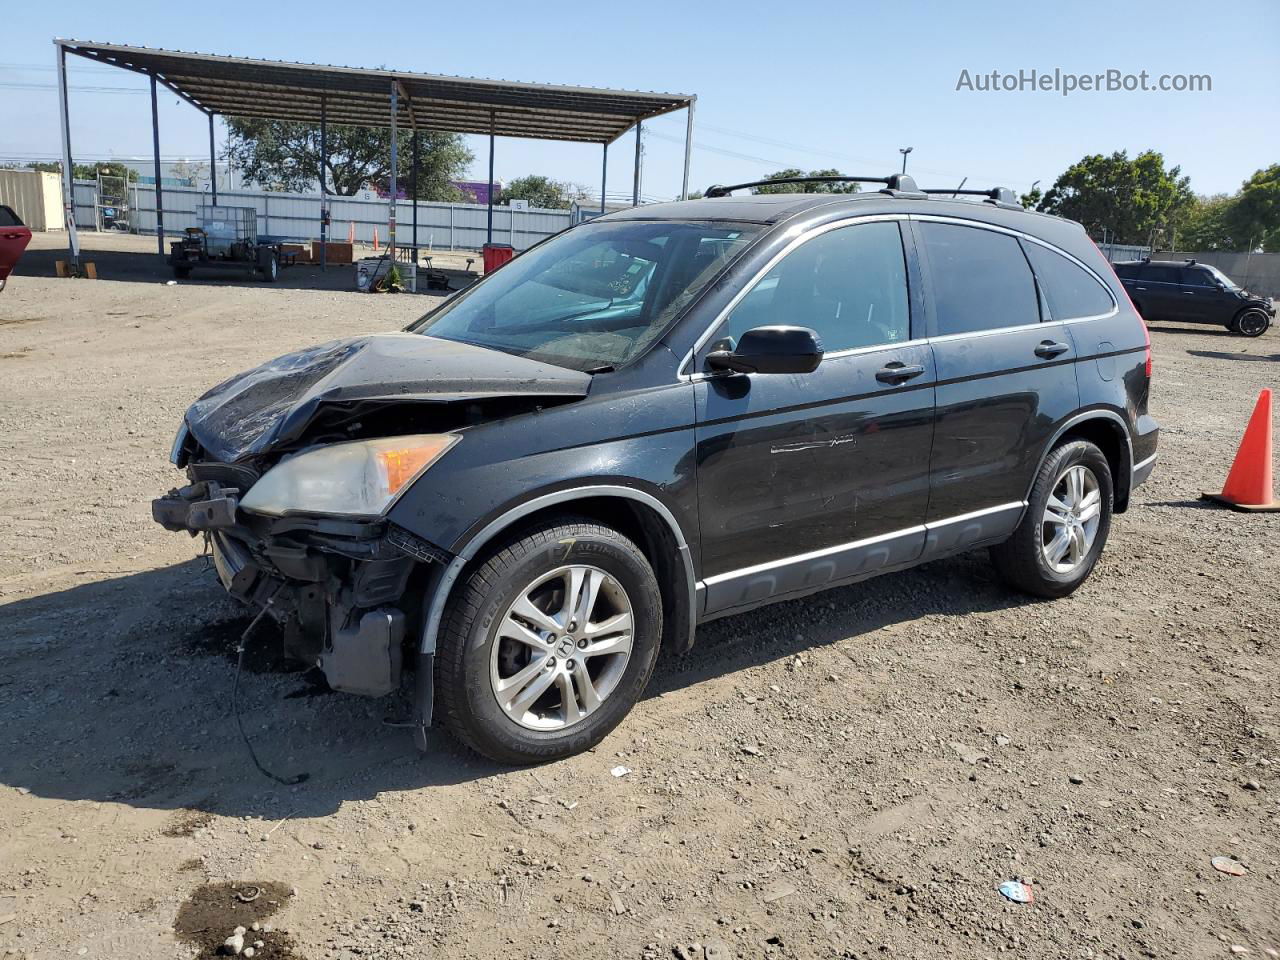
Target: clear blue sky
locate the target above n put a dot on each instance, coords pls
(829, 86)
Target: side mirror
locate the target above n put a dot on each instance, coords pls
(771, 350)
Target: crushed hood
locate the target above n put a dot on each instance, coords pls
(272, 405)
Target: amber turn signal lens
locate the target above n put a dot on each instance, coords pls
(399, 465)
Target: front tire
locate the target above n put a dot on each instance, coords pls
(1252, 322)
(548, 643)
(1065, 527)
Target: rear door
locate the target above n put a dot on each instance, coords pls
(810, 479)
(14, 238)
(1157, 292)
(1005, 380)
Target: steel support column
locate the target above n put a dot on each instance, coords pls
(489, 227)
(155, 146)
(68, 173)
(604, 176)
(635, 183)
(391, 221)
(213, 164)
(688, 148)
(413, 193)
(324, 183)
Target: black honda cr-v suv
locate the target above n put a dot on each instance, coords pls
(666, 415)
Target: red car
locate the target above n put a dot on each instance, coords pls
(14, 237)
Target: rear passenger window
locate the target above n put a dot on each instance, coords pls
(981, 280)
(8, 218)
(849, 285)
(1072, 292)
(1154, 274)
(1125, 271)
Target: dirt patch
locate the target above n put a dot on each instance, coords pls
(184, 823)
(262, 652)
(212, 913)
(14, 321)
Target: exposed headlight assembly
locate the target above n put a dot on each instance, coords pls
(361, 478)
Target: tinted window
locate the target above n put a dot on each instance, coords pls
(981, 280)
(1197, 278)
(8, 218)
(1153, 274)
(593, 296)
(849, 285)
(1126, 271)
(1071, 291)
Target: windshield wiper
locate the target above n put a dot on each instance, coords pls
(602, 368)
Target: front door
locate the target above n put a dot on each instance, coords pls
(810, 479)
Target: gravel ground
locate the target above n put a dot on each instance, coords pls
(850, 775)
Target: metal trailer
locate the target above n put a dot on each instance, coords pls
(227, 239)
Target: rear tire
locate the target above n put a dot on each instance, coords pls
(1058, 542)
(268, 265)
(509, 632)
(1252, 322)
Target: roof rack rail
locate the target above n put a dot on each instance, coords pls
(1001, 195)
(896, 183)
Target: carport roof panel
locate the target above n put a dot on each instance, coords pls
(279, 90)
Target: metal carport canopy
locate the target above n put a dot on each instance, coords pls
(279, 90)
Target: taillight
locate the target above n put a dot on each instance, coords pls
(1146, 333)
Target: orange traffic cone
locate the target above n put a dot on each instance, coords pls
(375, 239)
(1248, 485)
(351, 232)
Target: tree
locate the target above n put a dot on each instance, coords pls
(81, 171)
(808, 187)
(1206, 226)
(1031, 200)
(1254, 217)
(543, 192)
(286, 156)
(1135, 201)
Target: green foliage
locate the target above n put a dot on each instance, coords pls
(1135, 201)
(286, 156)
(809, 187)
(1254, 216)
(1206, 227)
(1032, 199)
(543, 192)
(81, 171)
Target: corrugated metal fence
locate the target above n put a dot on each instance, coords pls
(296, 216)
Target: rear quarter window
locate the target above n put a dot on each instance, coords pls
(1070, 290)
(8, 218)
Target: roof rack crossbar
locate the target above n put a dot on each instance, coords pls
(999, 194)
(897, 181)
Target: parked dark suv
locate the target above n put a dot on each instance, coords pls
(666, 415)
(1195, 293)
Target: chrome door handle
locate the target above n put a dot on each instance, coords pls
(897, 372)
(1048, 349)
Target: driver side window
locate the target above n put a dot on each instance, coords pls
(848, 285)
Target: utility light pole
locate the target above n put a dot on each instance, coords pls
(904, 151)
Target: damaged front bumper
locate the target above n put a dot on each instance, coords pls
(338, 588)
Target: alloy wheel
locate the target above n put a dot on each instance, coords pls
(1071, 518)
(1253, 323)
(561, 648)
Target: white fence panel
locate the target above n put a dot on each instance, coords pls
(296, 216)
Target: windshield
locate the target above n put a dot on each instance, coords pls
(1222, 278)
(596, 295)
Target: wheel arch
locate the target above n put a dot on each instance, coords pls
(1106, 430)
(634, 512)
